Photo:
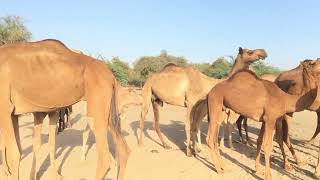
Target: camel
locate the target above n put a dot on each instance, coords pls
(266, 103)
(243, 120)
(62, 121)
(127, 97)
(29, 73)
(176, 86)
(291, 82)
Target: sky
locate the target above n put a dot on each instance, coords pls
(201, 31)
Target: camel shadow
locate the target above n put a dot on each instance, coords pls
(174, 132)
(64, 148)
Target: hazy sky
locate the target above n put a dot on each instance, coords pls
(200, 31)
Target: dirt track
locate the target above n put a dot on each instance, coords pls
(152, 162)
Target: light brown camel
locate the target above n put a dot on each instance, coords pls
(266, 102)
(127, 97)
(30, 77)
(183, 86)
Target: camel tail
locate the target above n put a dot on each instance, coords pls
(146, 101)
(122, 148)
(199, 110)
(147, 93)
(114, 110)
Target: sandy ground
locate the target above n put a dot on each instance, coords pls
(152, 162)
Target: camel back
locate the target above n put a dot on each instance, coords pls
(48, 67)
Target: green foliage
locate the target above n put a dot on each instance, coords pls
(13, 30)
(120, 70)
(145, 65)
(150, 64)
(218, 69)
(261, 68)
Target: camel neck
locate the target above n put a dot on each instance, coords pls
(238, 65)
(295, 103)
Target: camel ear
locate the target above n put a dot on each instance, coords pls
(240, 50)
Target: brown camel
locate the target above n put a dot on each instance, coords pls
(127, 97)
(184, 86)
(228, 123)
(266, 102)
(243, 120)
(291, 82)
(29, 73)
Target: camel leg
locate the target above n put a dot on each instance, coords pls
(38, 121)
(53, 118)
(287, 141)
(222, 132)
(239, 124)
(5, 167)
(85, 136)
(11, 149)
(144, 112)
(199, 144)
(15, 122)
(187, 127)
(245, 125)
(317, 130)
(103, 152)
(268, 146)
(259, 147)
(122, 152)
(60, 122)
(68, 111)
(155, 106)
(99, 109)
(214, 148)
(280, 134)
(230, 128)
(317, 170)
(216, 116)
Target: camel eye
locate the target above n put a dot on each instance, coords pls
(250, 53)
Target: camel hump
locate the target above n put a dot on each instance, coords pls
(52, 42)
(170, 67)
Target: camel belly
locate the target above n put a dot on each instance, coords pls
(171, 89)
(23, 105)
(45, 84)
(245, 103)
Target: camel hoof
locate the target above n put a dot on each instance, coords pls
(231, 146)
(58, 177)
(198, 150)
(140, 144)
(189, 152)
(259, 173)
(166, 146)
(220, 171)
(83, 158)
(317, 174)
(288, 166)
(33, 176)
(5, 171)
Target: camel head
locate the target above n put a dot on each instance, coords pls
(249, 56)
(313, 66)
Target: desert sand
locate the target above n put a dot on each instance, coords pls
(152, 162)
